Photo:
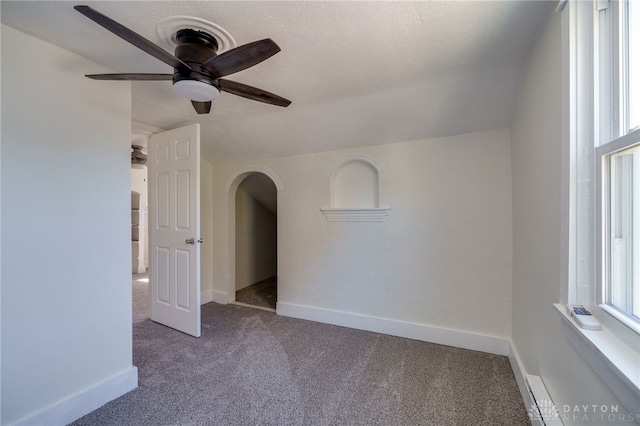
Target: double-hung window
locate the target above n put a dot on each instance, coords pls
(601, 53)
(617, 138)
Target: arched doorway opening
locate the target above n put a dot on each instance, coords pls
(256, 242)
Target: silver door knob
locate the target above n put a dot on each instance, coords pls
(190, 241)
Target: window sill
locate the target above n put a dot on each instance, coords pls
(617, 364)
(356, 215)
(622, 319)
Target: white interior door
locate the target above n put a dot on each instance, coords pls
(174, 228)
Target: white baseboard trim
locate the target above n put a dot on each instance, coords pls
(410, 330)
(540, 413)
(206, 297)
(82, 403)
(520, 374)
(219, 297)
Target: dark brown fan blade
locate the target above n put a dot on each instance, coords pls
(133, 38)
(201, 107)
(252, 93)
(132, 77)
(242, 57)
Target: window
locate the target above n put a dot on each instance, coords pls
(602, 178)
(618, 159)
(620, 226)
(633, 60)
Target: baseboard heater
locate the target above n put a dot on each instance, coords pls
(543, 411)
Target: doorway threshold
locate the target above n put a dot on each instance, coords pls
(246, 305)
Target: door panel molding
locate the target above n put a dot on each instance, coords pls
(174, 204)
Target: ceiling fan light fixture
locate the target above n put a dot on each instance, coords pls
(197, 63)
(196, 90)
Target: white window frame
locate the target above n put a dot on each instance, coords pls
(612, 134)
(602, 219)
(614, 352)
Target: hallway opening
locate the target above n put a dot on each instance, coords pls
(256, 242)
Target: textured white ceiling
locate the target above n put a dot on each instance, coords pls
(357, 73)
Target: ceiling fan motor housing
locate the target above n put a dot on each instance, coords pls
(195, 48)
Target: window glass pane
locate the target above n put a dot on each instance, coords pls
(624, 230)
(634, 64)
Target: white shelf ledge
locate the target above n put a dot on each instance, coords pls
(356, 215)
(617, 364)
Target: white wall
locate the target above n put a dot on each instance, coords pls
(441, 259)
(538, 275)
(256, 241)
(66, 283)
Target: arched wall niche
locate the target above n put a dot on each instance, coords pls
(354, 188)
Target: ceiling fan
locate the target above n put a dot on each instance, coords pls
(197, 68)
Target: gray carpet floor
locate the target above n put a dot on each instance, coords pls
(140, 297)
(262, 293)
(252, 367)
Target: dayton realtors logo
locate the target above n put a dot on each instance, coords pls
(544, 410)
(596, 413)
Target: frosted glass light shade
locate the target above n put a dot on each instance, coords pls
(196, 90)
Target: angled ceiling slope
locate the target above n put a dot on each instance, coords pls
(357, 73)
